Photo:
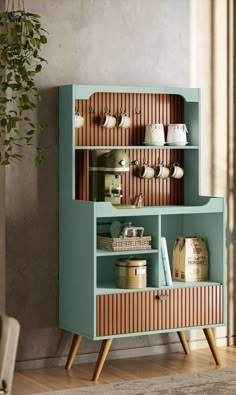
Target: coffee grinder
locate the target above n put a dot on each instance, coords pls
(105, 170)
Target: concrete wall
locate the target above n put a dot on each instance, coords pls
(121, 42)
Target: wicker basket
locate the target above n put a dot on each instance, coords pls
(105, 242)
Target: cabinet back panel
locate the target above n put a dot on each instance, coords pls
(153, 108)
(142, 108)
(156, 191)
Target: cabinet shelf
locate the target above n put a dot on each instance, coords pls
(112, 147)
(100, 253)
(209, 205)
(110, 287)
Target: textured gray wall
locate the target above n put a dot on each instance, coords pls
(121, 42)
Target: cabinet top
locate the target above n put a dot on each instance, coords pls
(85, 91)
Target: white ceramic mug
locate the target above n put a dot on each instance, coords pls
(108, 121)
(162, 171)
(176, 171)
(79, 120)
(154, 134)
(123, 121)
(177, 134)
(146, 172)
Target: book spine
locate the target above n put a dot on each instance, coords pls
(166, 262)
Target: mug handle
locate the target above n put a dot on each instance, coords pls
(185, 128)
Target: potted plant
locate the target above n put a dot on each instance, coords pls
(21, 39)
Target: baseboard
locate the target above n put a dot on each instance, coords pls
(120, 354)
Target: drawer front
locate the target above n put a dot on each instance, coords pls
(157, 310)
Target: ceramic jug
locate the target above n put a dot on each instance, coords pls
(177, 134)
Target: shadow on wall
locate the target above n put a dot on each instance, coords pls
(32, 228)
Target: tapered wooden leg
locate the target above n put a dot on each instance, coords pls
(212, 344)
(105, 347)
(184, 342)
(73, 351)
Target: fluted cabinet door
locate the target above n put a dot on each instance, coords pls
(158, 310)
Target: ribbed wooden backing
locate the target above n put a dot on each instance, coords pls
(156, 191)
(142, 311)
(153, 108)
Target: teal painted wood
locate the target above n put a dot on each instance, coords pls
(109, 287)
(85, 91)
(211, 228)
(212, 205)
(79, 268)
(120, 253)
(192, 159)
(157, 332)
(191, 179)
(172, 227)
(66, 152)
(77, 236)
(94, 147)
(192, 121)
(146, 333)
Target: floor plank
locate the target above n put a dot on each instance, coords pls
(39, 380)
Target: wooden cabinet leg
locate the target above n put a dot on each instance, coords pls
(184, 342)
(105, 347)
(73, 351)
(212, 344)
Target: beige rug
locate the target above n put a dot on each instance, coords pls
(213, 382)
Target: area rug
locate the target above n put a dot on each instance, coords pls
(213, 382)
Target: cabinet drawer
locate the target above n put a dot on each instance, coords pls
(157, 310)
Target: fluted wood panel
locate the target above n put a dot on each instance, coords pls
(142, 108)
(143, 311)
(156, 191)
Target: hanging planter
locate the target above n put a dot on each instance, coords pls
(21, 39)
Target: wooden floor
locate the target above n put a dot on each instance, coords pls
(33, 381)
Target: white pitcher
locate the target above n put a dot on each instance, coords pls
(177, 134)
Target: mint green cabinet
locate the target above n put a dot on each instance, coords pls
(87, 275)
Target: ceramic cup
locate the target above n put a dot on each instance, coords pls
(176, 171)
(108, 121)
(146, 172)
(79, 120)
(162, 171)
(154, 134)
(123, 121)
(177, 134)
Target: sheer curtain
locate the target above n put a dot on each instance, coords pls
(213, 70)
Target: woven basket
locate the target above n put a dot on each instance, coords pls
(105, 242)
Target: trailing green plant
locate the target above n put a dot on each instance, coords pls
(21, 39)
